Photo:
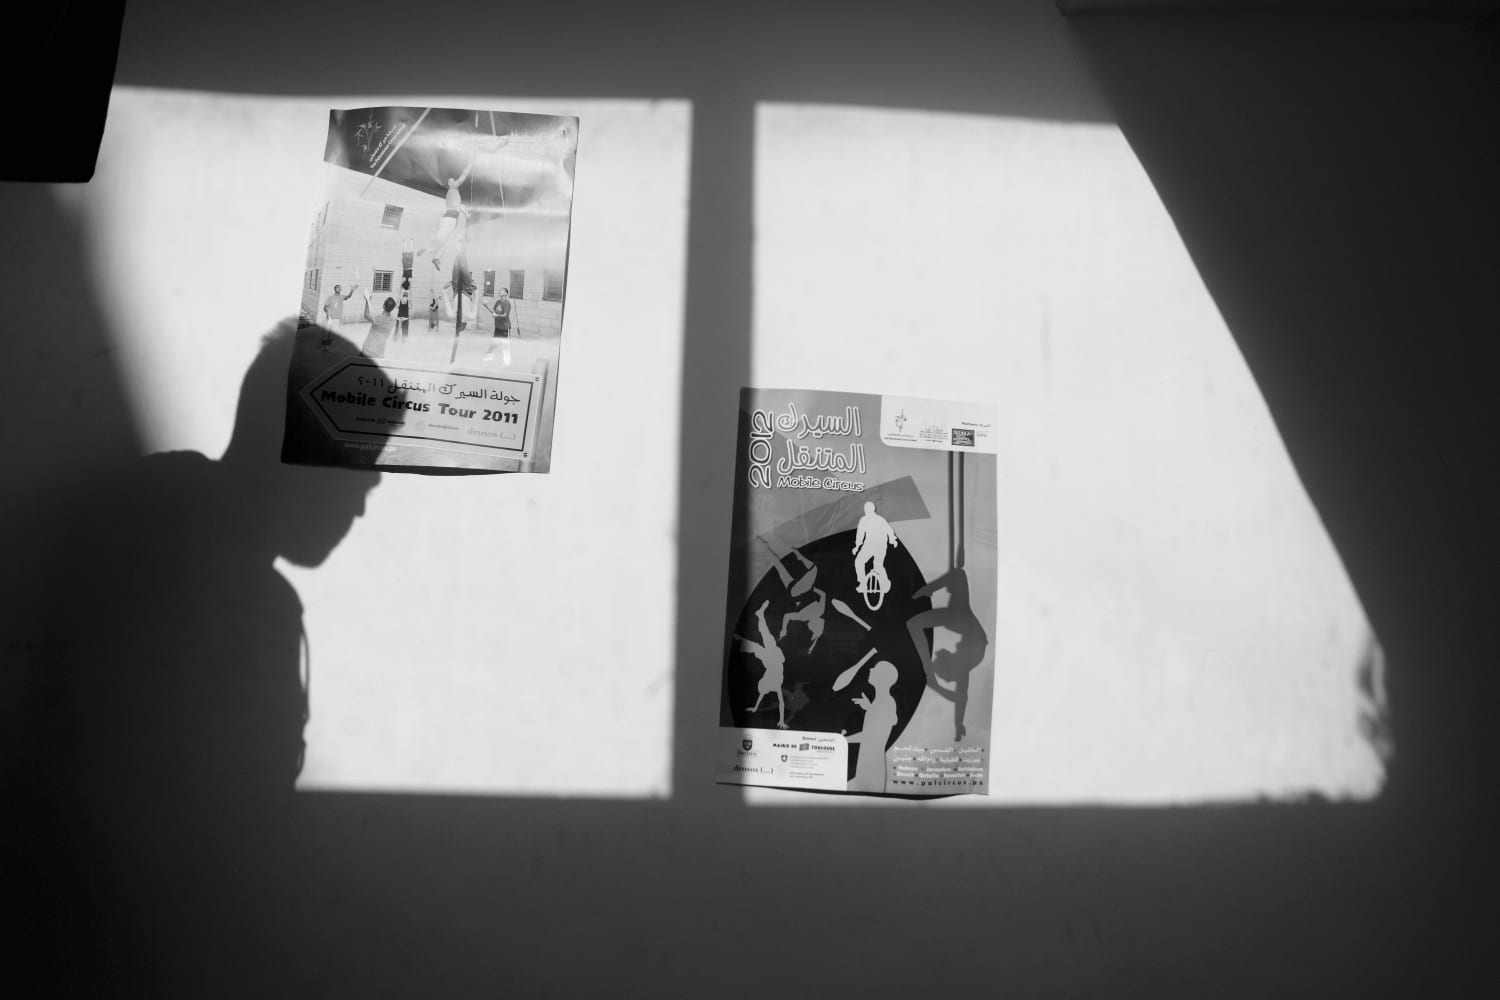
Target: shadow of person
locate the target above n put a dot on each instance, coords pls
(179, 698)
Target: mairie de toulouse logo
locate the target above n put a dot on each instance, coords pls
(747, 744)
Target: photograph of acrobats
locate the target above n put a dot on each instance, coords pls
(861, 605)
(433, 291)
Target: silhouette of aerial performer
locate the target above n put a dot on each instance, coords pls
(948, 671)
(773, 660)
(880, 719)
(809, 612)
(871, 539)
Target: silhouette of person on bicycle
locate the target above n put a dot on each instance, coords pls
(871, 539)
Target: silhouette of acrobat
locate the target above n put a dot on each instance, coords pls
(809, 612)
(773, 660)
(873, 536)
(811, 615)
(950, 666)
(880, 719)
(802, 584)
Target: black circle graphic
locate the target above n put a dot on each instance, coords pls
(811, 670)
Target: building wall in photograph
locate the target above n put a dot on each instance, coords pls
(364, 222)
(533, 248)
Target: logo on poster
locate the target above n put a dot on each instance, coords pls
(963, 436)
(747, 744)
(365, 134)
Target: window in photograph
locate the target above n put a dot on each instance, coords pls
(489, 283)
(518, 284)
(382, 281)
(391, 219)
(552, 285)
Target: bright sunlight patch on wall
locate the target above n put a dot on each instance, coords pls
(1174, 624)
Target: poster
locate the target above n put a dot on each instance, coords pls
(858, 642)
(433, 291)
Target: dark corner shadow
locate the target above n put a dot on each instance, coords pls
(1333, 180)
(59, 369)
(949, 56)
(169, 671)
(64, 146)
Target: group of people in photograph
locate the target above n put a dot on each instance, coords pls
(390, 320)
(446, 246)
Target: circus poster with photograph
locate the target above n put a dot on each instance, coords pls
(433, 291)
(858, 643)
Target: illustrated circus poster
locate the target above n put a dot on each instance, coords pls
(858, 645)
(433, 291)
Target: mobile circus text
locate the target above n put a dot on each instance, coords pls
(798, 458)
(357, 398)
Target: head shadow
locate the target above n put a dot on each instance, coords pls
(174, 672)
(189, 673)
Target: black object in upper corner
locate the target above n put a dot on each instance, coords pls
(57, 122)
